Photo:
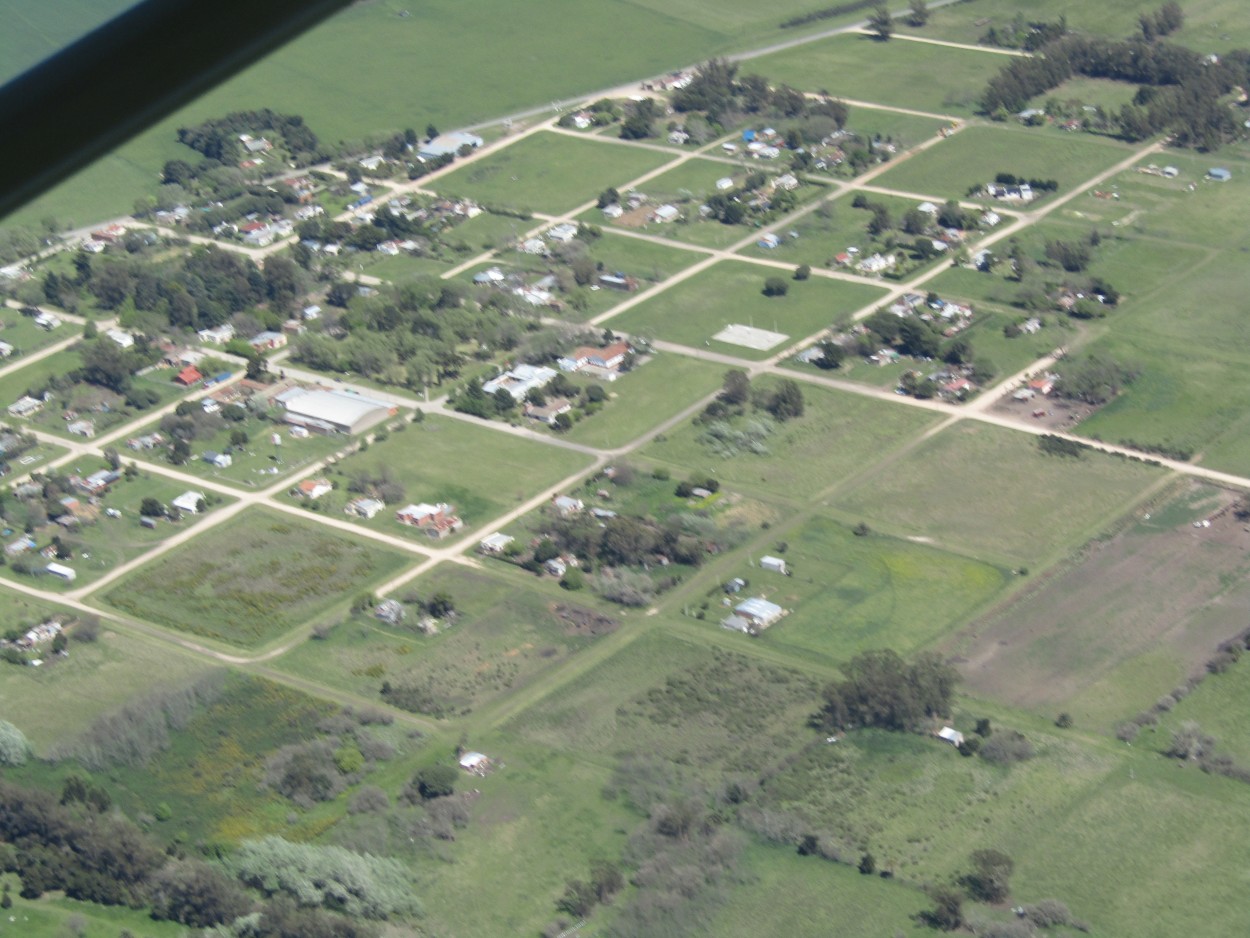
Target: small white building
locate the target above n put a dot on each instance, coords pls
(475, 762)
(951, 735)
(189, 502)
(123, 338)
(773, 564)
(495, 544)
(68, 574)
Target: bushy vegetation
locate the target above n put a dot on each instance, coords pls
(882, 690)
(326, 876)
(14, 749)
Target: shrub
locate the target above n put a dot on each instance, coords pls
(1063, 721)
(802, 272)
(990, 877)
(1007, 748)
(436, 781)
(14, 749)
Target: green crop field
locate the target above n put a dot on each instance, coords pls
(548, 172)
(480, 471)
(924, 77)
(253, 578)
(991, 493)
(799, 462)
(510, 630)
(976, 155)
(731, 292)
(56, 917)
(849, 594)
(637, 401)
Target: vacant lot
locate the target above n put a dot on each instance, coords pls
(652, 392)
(509, 630)
(732, 292)
(993, 494)
(253, 578)
(976, 155)
(548, 172)
(480, 471)
(797, 461)
(849, 594)
(907, 74)
(1160, 590)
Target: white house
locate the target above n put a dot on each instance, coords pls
(520, 380)
(951, 735)
(496, 543)
(563, 232)
(665, 213)
(188, 502)
(68, 574)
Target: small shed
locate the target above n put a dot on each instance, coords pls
(475, 762)
(773, 564)
(951, 735)
(60, 570)
(1219, 174)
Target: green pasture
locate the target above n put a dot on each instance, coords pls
(655, 390)
(903, 130)
(247, 581)
(480, 471)
(644, 260)
(818, 896)
(992, 494)
(25, 337)
(976, 155)
(838, 436)
(732, 292)
(1215, 706)
(508, 633)
(849, 594)
(548, 172)
(935, 79)
(1209, 24)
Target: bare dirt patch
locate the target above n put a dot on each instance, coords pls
(1160, 584)
(1049, 412)
(580, 621)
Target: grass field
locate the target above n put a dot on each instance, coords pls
(992, 494)
(849, 594)
(1163, 595)
(731, 292)
(1213, 24)
(95, 678)
(800, 462)
(974, 156)
(57, 917)
(901, 74)
(480, 471)
(639, 400)
(548, 172)
(818, 896)
(253, 578)
(511, 630)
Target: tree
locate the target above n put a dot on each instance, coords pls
(867, 864)
(802, 272)
(436, 781)
(151, 508)
(919, 13)
(881, 23)
(947, 913)
(180, 452)
(786, 401)
(736, 388)
(831, 355)
(990, 877)
(430, 132)
(775, 286)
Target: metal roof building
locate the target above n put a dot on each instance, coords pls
(334, 411)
